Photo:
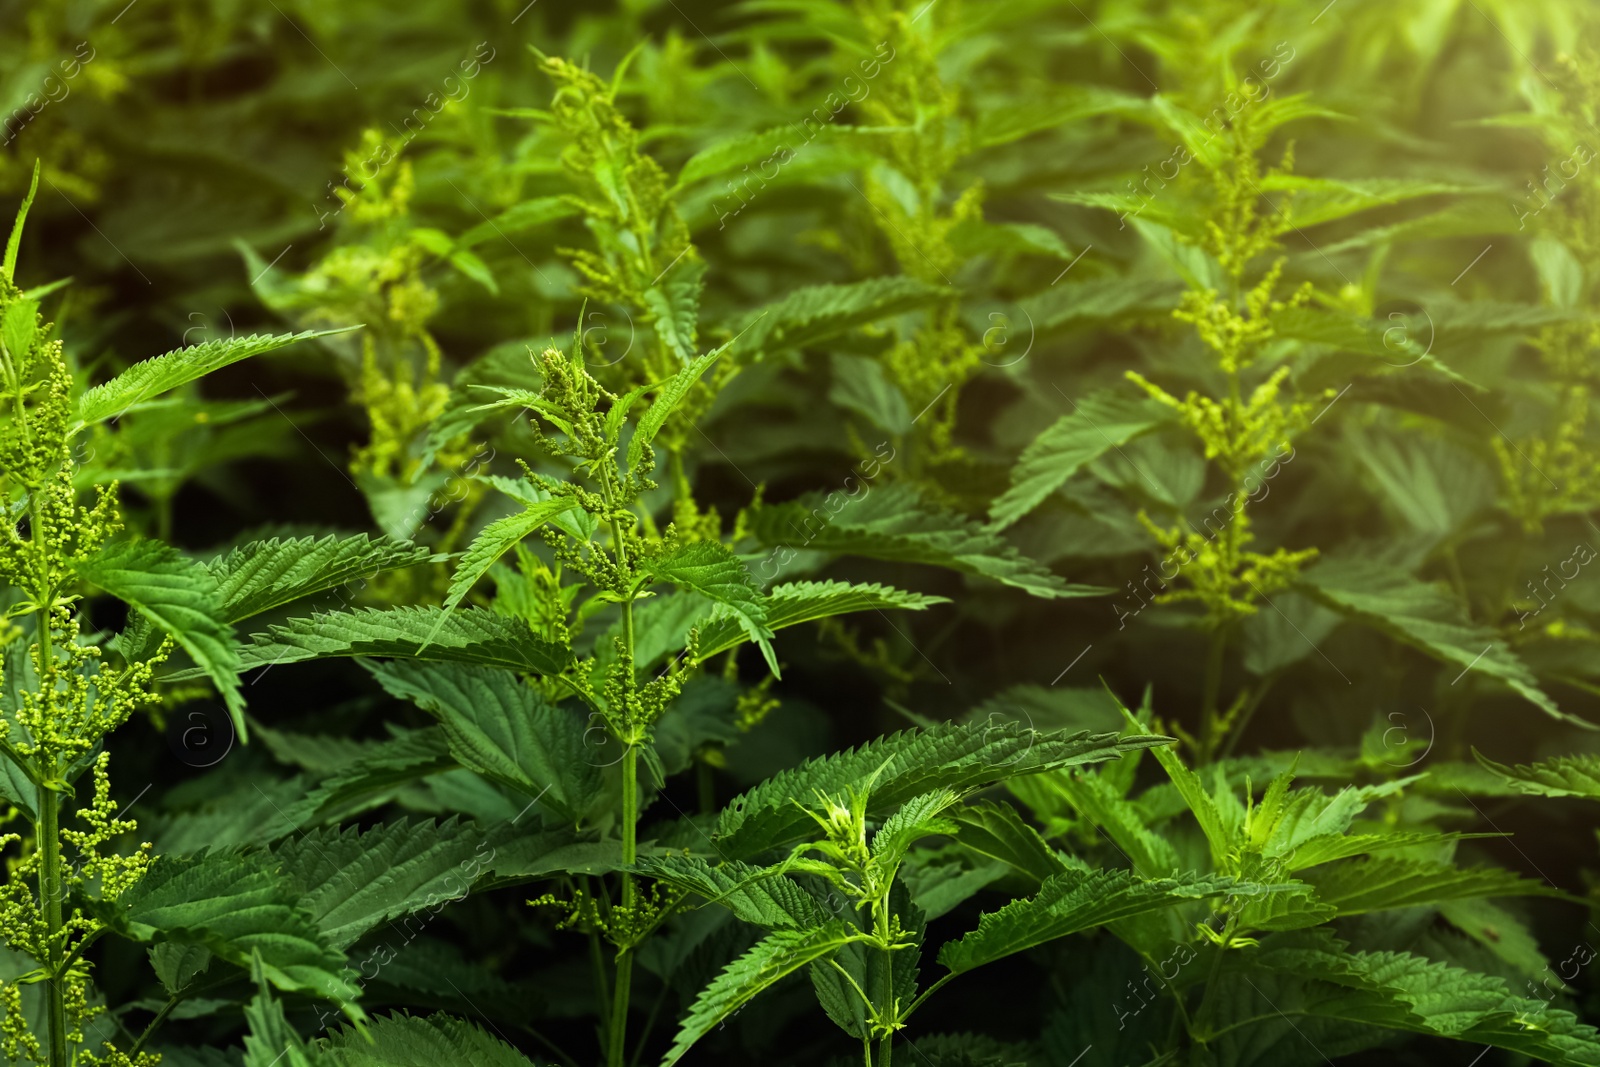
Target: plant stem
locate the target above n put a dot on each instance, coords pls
(48, 829)
(881, 922)
(616, 1050)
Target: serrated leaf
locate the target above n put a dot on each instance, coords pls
(494, 541)
(861, 385)
(815, 313)
(500, 727)
(413, 1041)
(904, 765)
(762, 896)
(263, 575)
(1387, 882)
(667, 399)
(1098, 424)
(775, 956)
(1563, 776)
(674, 303)
(181, 598)
(350, 880)
(794, 603)
(1071, 902)
(152, 377)
(469, 635)
(1426, 618)
(239, 906)
(893, 523)
(711, 570)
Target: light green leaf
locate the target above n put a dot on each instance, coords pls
(1563, 776)
(776, 956)
(905, 765)
(1071, 902)
(152, 377)
(816, 313)
(181, 598)
(1096, 424)
(892, 523)
(710, 569)
(798, 602)
(469, 635)
(263, 575)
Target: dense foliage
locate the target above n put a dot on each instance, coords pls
(651, 512)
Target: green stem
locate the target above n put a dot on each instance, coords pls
(616, 1046)
(51, 888)
(886, 1043)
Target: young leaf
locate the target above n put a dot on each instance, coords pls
(14, 241)
(904, 765)
(892, 523)
(182, 599)
(1070, 902)
(470, 635)
(263, 575)
(501, 728)
(762, 896)
(775, 956)
(710, 569)
(152, 377)
(797, 602)
(1097, 424)
(667, 398)
(494, 541)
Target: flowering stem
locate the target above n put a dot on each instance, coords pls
(48, 829)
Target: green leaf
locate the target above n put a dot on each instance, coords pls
(1071, 902)
(500, 727)
(674, 303)
(152, 377)
(1097, 424)
(181, 598)
(794, 603)
(413, 1041)
(711, 570)
(1319, 979)
(905, 765)
(494, 541)
(667, 399)
(1425, 617)
(1387, 882)
(892, 523)
(1563, 776)
(762, 896)
(469, 635)
(519, 218)
(240, 906)
(861, 385)
(263, 575)
(350, 880)
(1032, 113)
(775, 956)
(816, 313)
(997, 832)
(14, 241)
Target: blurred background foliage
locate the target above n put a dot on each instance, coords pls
(1020, 204)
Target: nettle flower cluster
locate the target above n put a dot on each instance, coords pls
(66, 698)
(1241, 431)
